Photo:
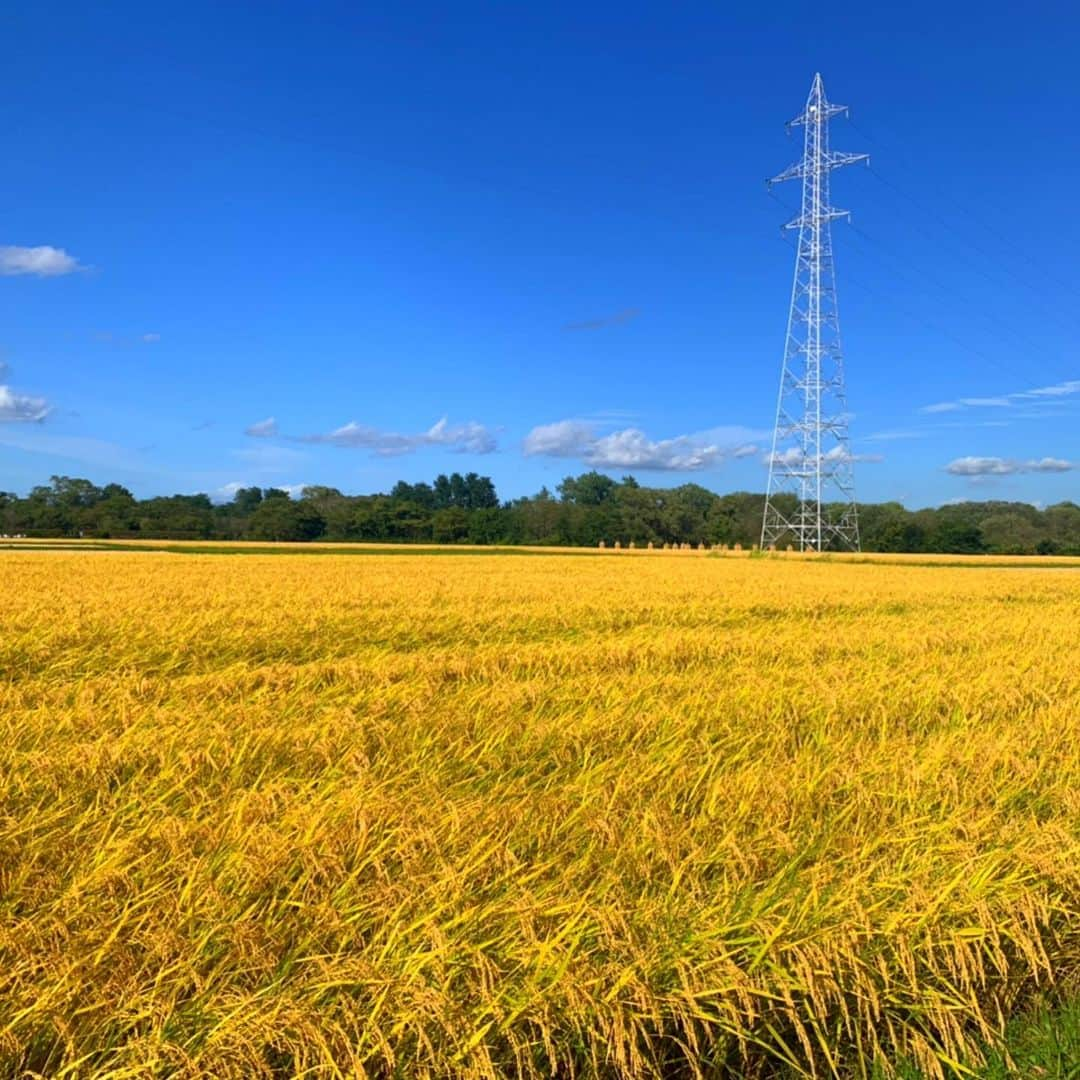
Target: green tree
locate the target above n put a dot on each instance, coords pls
(278, 518)
(1009, 534)
(889, 527)
(422, 495)
(449, 526)
(588, 489)
(116, 513)
(591, 507)
(686, 514)
(488, 525)
(480, 492)
(954, 535)
(177, 517)
(245, 500)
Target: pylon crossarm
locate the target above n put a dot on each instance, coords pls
(817, 111)
(792, 172)
(837, 159)
(834, 159)
(817, 218)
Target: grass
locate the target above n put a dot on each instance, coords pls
(252, 547)
(1043, 1043)
(611, 817)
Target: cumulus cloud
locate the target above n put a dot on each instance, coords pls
(790, 457)
(623, 316)
(21, 407)
(262, 429)
(793, 457)
(227, 492)
(996, 466)
(564, 438)
(631, 448)
(469, 438)
(41, 261)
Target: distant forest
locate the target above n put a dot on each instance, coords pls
(583, 511)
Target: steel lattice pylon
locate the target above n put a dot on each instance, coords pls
(811, 456)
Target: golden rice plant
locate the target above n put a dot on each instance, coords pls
(548, 815)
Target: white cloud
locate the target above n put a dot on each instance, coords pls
(262, 429)
(469, 438)
(227, 492)
(791, 456)
(564, 438)
(1005, 401)
(1071, 386)
(794, 456)
(748, 450)
(996, 466)
(151, 339)
(41, 261)
(20, 407)
(844, 453)
(631, 448)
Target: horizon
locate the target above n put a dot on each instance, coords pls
(223, 498)
(346, 248)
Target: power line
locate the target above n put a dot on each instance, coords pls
(987, 253)
(934, 327)
(918, 276)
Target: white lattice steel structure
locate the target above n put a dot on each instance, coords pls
(811, 456)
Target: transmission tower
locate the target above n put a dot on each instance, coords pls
(811, 455)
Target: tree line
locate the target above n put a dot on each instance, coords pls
(582, 511)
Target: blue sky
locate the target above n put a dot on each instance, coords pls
(392, 240)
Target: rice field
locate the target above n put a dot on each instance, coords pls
(620, 816)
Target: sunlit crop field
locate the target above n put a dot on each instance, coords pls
(548, 815)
